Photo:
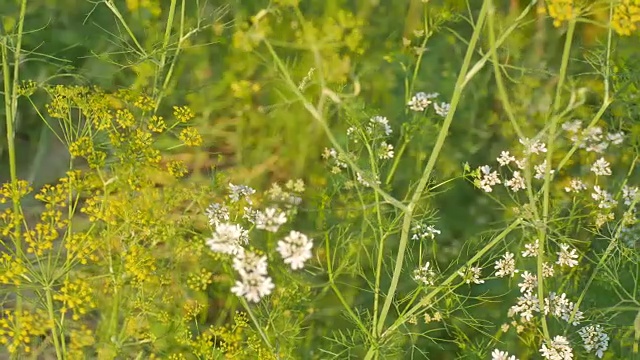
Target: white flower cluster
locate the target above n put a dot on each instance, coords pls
(421, 232)
(336, 161)
(230, 239)
(502, 355)
(425, 275)
(591, 139)
(421, 101)
(594, 339)
(559, 349)
(471, 274)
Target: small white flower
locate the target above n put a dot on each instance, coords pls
(605, 200)
(424, 275)
(271, 219)
(246, 263)
(240, 191)
(506, 266)
(505, 158)
(442, 109)
(253, 287)
(501, 355)
(386, 151)
(379, 122)
(601, 167)
(616, 138)
(516, 183)
(217, 213)
(526, 306)
(629, 194)
(575, 185)
(365, 182)
(566, 257)
(529, 282)
(594, 339)
(559, 349)
(421, 101)
(228, 238)
(572, 126)
(295, 249)
(547, 270)
(541, 169)
(421, 232)
(531, 249)
(489, 179)
(533, 146)
(471, 275)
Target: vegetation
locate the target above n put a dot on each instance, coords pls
(320, 179)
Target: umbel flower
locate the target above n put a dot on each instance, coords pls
(295, 249)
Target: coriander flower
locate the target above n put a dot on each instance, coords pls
(541, 170)
(516, 183)
(240, 191)
(295, 249)
(566, 257)
(501, 355)
(424, 275)
(246, 263)
(533, 146)
(525, 307)
(270, 219)
(575, 185)
(228, 238)
(421, 101)
(253, 287)
(471, 275)
(217, 213)
(531, 249)
(505, 158)
(606, 200)
(386, 151)
(379, 121)
(506, 266)
(422, 232)
(559, 349)
(594, 339)
(629, 194)
(601, 167)
(489, 179)
(529, 282)
(442, 109)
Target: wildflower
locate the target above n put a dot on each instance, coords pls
(533, 147)
(228, 238)
(217, 213)
(529, 282)
(601, 167)
(423, 232)
(379, 121)
(541, 170)
(183, 113)
(471, 275)
(606, 200)
(505, 158)
(239, 191)
(629, 194)
(525, 307)
(561, 307)
(566, 257)
(442, 109)
(560, 11)
(594, 339)
(516, 183)
(616, 138)
(531, 249)
(506, 265)
(625, 17)
(386, 151)
(253, 287)
(559, 349)
(575, 185)
(489, 178)
(190, 136)
(295, 249)
(572, 126)
(364, 182)
(547, 270)
(246, 263)
(270, 219)
(424, 275)
(501, 355)
(421, 101)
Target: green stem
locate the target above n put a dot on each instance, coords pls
(555, 117)
(54, 330)
(257, 324)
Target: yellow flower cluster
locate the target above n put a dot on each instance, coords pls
(190, 137)
(12, 270)
(17, 331)
(626, 16)
(76, 296)
(200, 281)
(560, 11)
(139, 263)
(81, 247)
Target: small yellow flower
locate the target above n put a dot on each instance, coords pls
(560, 11)
(176, 168)
(183, 113)
(626, 16)
(190, 137)
(157, 124)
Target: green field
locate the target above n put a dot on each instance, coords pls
(319, 179)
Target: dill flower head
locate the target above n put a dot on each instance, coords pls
(626, 16)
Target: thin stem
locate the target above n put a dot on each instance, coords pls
(555, 117)
(257, 324)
